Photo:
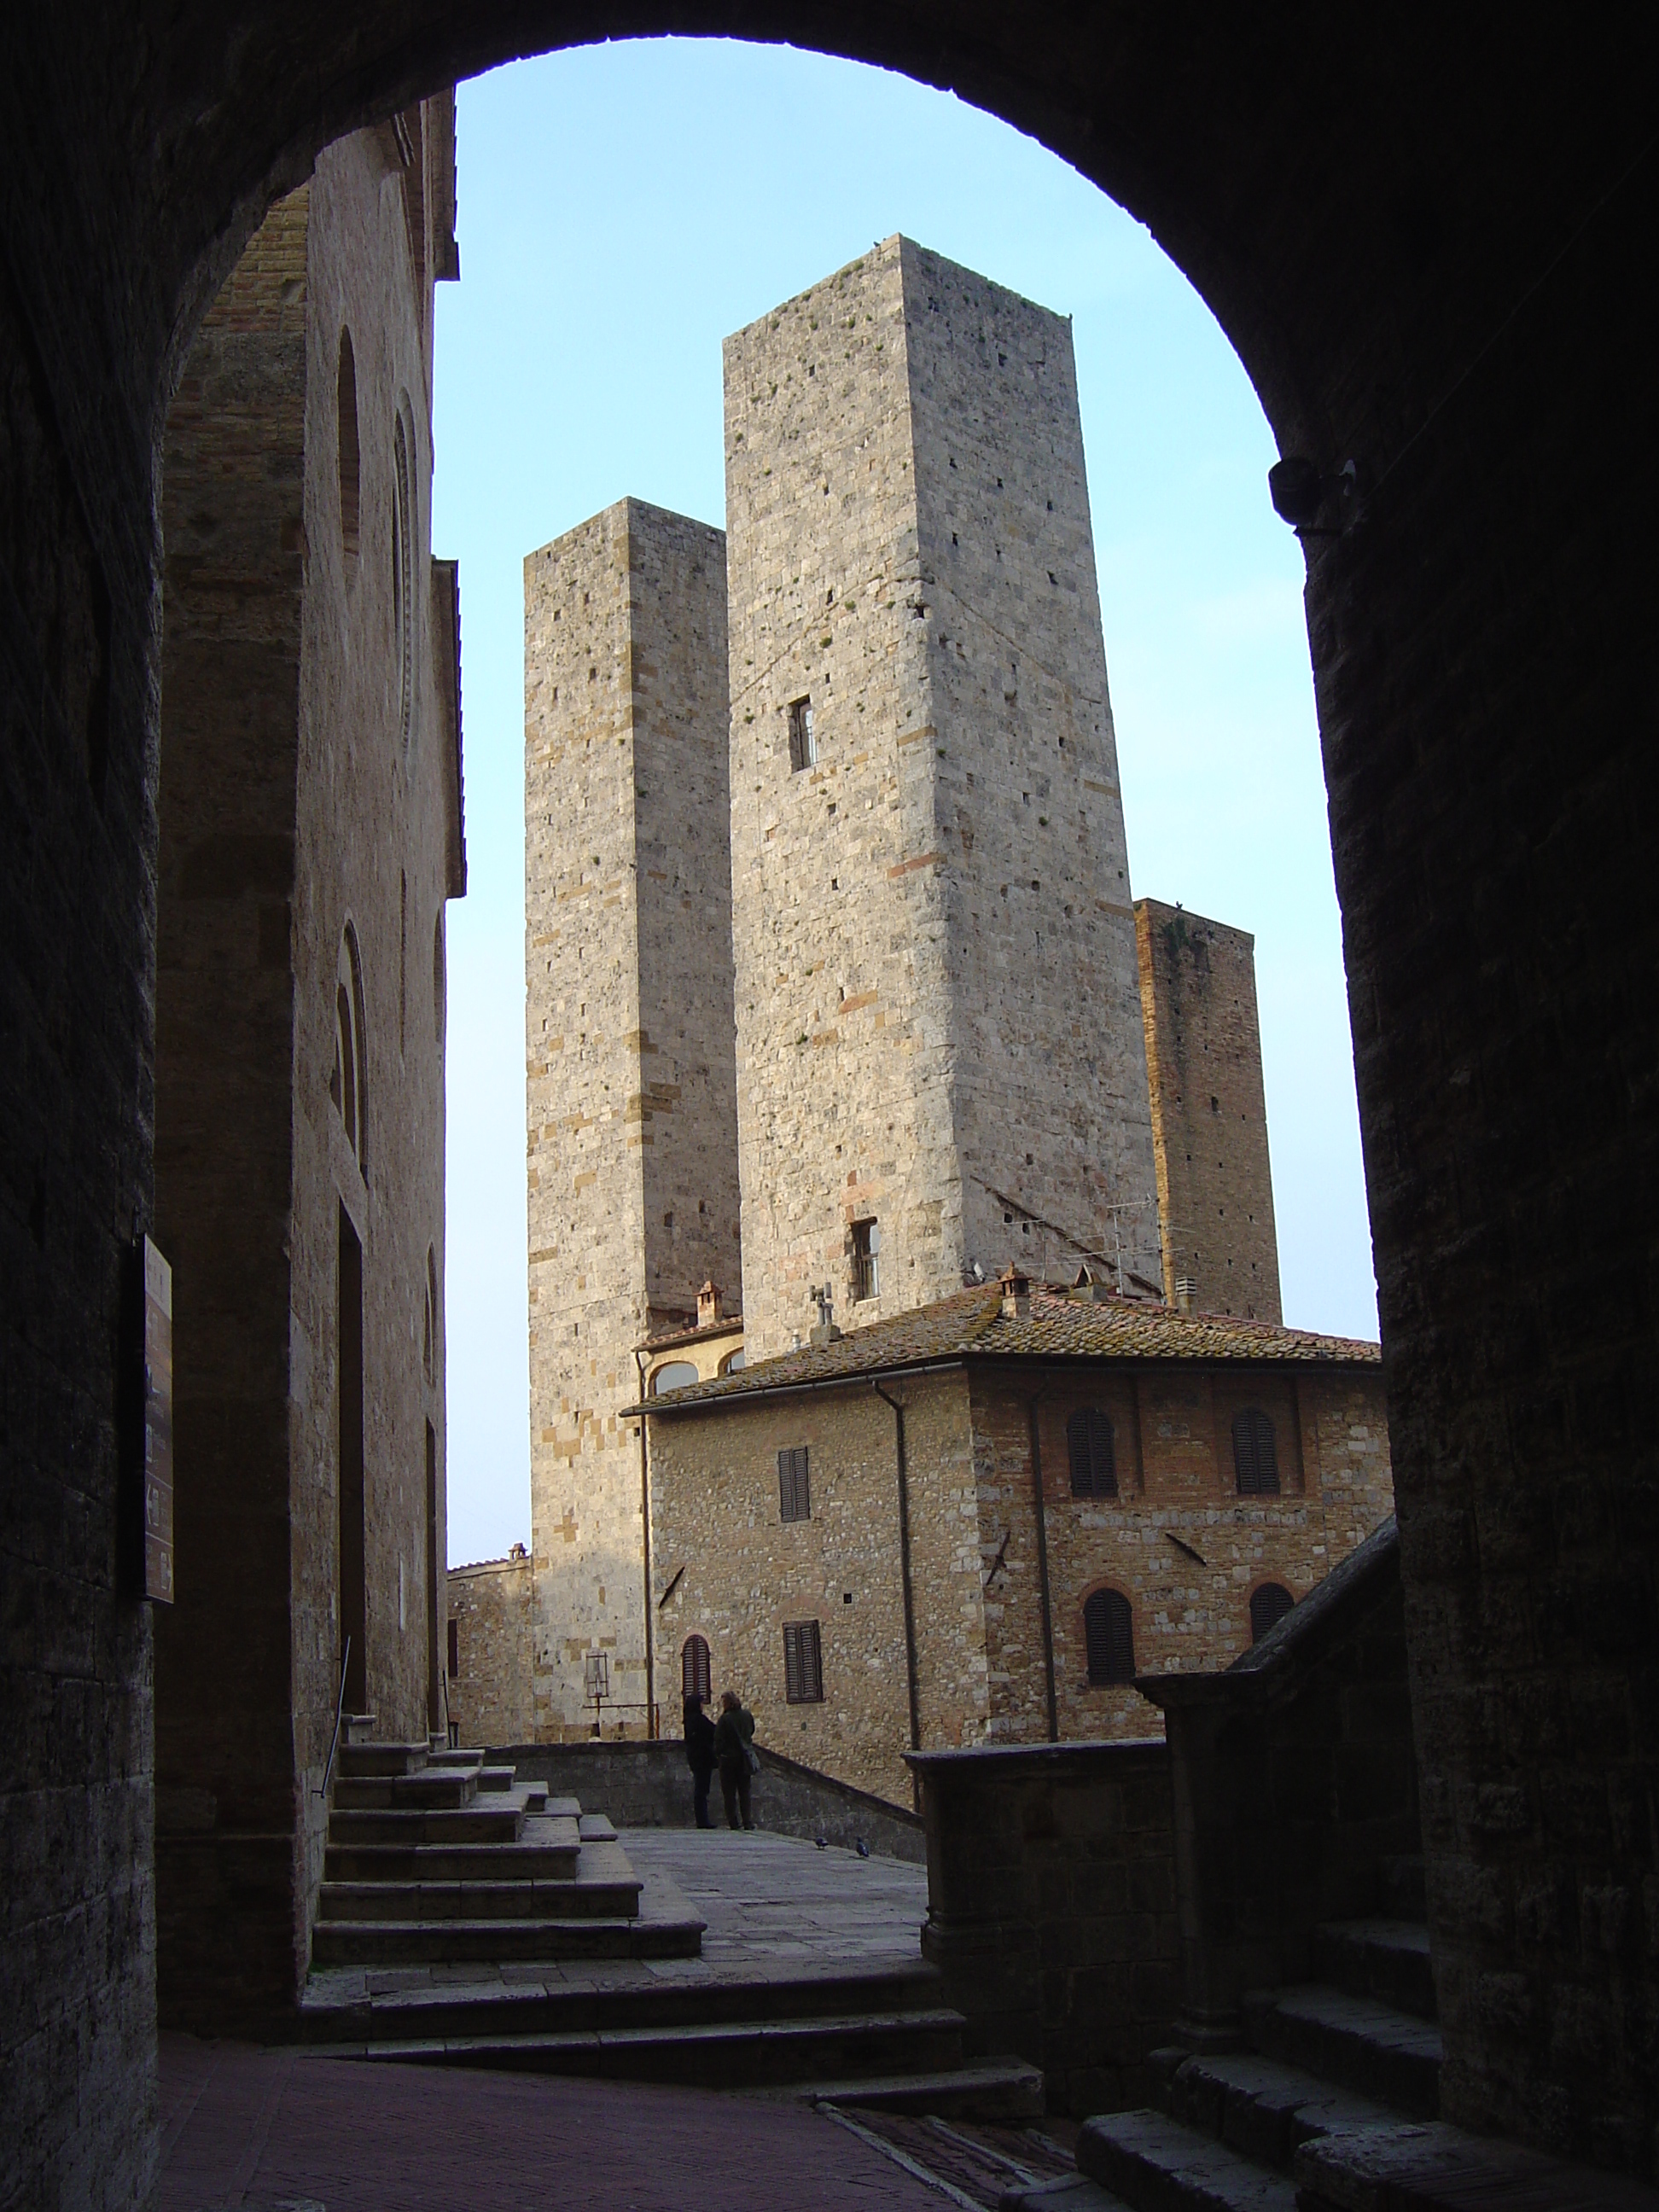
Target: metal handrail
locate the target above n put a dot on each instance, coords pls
(345, 1662)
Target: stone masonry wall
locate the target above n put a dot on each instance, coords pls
(1215, 1190)
(488, 1692)
(631, 1126)
(890, 1034)
(1178, 1540)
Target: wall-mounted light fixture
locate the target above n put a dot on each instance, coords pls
(1301, 492)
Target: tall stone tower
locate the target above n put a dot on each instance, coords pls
(1215, 1186)
(940, 1057)
(632, 1127)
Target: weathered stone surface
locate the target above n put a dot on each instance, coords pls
(489, 1687)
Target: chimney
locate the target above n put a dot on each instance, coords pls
(1016, 1294)
(1185, 1290)
(709, 1305)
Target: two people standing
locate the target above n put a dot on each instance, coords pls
(727, 1744)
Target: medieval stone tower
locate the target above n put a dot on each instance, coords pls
(632, 1131)
(940, 1053)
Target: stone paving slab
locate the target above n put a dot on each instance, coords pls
(242, 2126)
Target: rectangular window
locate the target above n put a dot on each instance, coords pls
(866, 1262)
(794, 1496)
(802, 750)
(803, 1664)
(454, 1651)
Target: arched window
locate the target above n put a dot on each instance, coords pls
(350, 466)
(675, 1375)
(1255, 1462)
(1268, 1607)
(696, 1680)
(732, 1362)
(1108, 1637)
(1094, 1465)
(429, 1319)
(347, 1085)
(403, 570)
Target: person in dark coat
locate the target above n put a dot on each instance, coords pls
(700, 1756)
(734, 1732)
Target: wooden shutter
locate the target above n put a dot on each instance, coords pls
(1255, 1462)
(803, 1664)
(1268, 1607)
(794, 1491)
(695, 1676)
(1108, 1638)
(1090, 1448)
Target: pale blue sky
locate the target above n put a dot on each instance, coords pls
(622, 209)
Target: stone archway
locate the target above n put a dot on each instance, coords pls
(1427, 251)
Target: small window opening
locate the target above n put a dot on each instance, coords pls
(867, 1261)
(347, 1084)
(803, 1664)
(454, 1651)
(349, 453)
(1268, 1607)
(403, 575)
(794, 1489)
(1109, 1638)
(1090, 1446)
(803, 747)
(429, 1319)
(1255, 1461)
(696, 1677)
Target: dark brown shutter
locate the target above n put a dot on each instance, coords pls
(1255, 1462)
(803, 1664)
(1090, 1448)
(696, 1679)
(794, 1491)
(1268, 1607)
(1108, 1638)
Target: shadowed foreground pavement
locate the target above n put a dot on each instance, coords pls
(244, 2125)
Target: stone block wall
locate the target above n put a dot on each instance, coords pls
(632, 1147)
(487, 1690)
(899, 902)
(1215, 1189)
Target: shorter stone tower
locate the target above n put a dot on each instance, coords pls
(629, 1084)
(1215, 1191)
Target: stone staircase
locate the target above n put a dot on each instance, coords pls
(466, 1919)
(1330, 2106)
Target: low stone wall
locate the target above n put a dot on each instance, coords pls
(648, 1786)
(1051, 1909)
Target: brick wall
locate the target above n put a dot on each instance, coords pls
(1215, 1187)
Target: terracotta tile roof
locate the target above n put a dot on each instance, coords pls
(970, 1325)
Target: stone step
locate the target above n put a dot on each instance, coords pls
(481, 1941)
(1358, 2042)
(466, 1824)
(728, 2055)
(429, 1786)
(440, 1756)
(1156, 2164)
(1262, 2109)
(1072, 2193)
(595, 1828)
(1431, 2167)
(500, 1777)
(527, 1860)
(995, 2089)
(492, 2010)
(366, 1758)
(545, 1899)
(1385, 1958)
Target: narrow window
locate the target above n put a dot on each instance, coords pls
(438, 975)
(1268, 1607)
(346, 1085)
(403, 955)
(349, 1392)
(803, 750)
(1089, 1442)
(429, 1318)
(454, 1651)
(794, 1493)
(697, 1680)
(1255, 1463)
(676, 1375)
(403, 575)
(867, 1261)
(1108, 1637)
(803, 1664)
(350, 456)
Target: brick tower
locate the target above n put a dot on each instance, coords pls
(940, 1056)
(631, 1118)
(1215, 1189)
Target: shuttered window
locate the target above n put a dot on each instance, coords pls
(794, 1494)
(1110, 1637)
(803, 1664)
(1255, 1462)
(1268, 1607)
(1094, 1465)
(696, 1679)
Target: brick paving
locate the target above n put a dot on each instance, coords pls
(246, 2127)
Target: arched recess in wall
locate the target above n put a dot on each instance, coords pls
(405, 527)
(349, 1084)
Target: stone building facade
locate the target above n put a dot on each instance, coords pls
(1005, 1506)
(488, 1662)
(940, 1053)
(1215, 1186)
(630, 1079)
(310, 838)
